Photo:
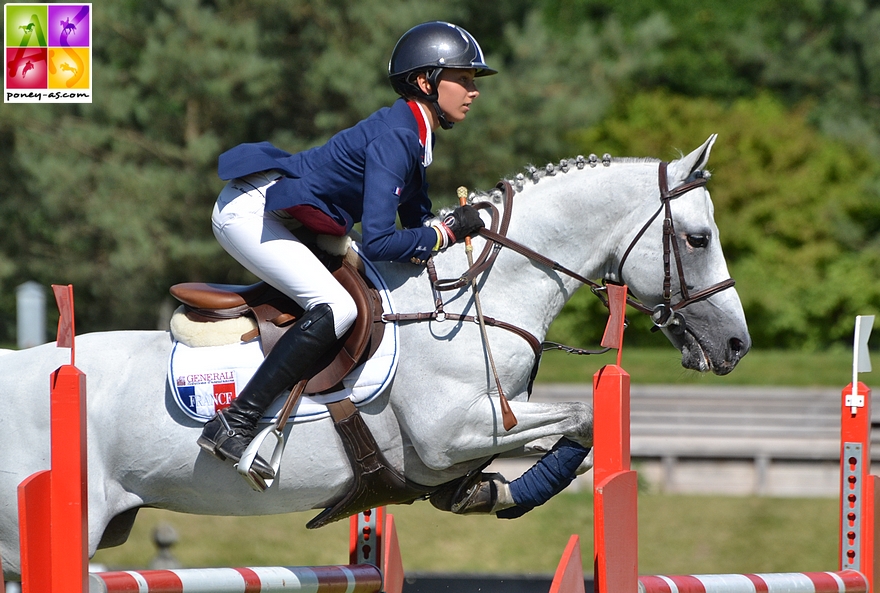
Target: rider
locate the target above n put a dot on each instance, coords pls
(369, 173)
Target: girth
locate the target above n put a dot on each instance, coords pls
(376, 483)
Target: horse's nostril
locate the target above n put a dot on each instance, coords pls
(736, 345)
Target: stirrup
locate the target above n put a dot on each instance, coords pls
(245, 464)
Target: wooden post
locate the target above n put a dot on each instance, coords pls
(392, 560)
(373, 540)
(569, 576)
(365, 537)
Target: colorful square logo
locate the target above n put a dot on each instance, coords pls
(48, 51)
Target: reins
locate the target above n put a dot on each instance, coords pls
(503, 241)
(664, 315)
(483, 262)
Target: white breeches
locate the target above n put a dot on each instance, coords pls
(261, 242)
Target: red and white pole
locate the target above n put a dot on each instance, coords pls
(362, 578)
(847, 581)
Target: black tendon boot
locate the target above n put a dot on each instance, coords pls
(229, 432)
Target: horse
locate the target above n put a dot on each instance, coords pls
(440, 417)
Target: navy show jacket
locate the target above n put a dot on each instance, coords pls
(368, 173)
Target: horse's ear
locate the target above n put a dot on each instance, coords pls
(681, 169)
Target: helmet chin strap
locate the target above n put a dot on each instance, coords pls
(441, 117)
(433, 77)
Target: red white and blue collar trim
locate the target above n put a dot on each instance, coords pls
(426, 134)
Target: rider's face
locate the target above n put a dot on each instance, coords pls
(456, 91)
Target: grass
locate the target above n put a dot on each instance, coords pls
(663, 366)
(678, 535)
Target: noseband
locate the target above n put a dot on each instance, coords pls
(666, 315)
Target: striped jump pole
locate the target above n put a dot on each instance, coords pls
(374, 553)
(846, 581)
(358, 578)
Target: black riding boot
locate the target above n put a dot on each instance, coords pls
(230, 431)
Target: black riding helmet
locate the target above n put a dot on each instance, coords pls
(429, 48)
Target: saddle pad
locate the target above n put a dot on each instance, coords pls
(207, 379)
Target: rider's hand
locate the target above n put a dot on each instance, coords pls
(458, 224)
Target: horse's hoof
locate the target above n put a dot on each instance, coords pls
(470, 494)
(479, 498)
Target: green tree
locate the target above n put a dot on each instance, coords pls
(700, 49)
(115, 196)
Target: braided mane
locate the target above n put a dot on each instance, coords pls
(535, 174)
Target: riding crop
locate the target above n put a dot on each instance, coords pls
(507, 417)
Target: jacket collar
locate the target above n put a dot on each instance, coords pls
(426, 134)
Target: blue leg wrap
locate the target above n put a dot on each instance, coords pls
(545, 479)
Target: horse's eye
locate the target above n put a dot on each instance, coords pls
(698, 241)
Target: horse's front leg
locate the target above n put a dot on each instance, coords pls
(459, 434)
(564, 431)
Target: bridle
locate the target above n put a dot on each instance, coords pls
(666, 315)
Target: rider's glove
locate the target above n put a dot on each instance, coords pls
(458, 224)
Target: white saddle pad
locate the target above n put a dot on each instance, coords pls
(207, 379)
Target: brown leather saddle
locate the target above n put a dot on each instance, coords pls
(275, 313)
(375, 481)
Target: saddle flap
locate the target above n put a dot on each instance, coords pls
(347, 352)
